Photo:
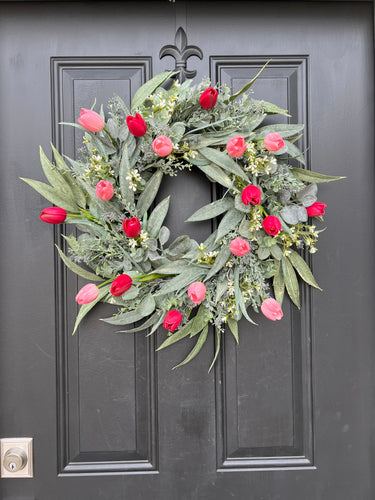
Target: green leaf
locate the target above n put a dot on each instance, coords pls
(263, 253)
(295, 152)
(217, 350)
(177, 131)
(52, 195)
(181, 281)
(77, 269)
(157, 217)
(198, 346)
(164, 235)
(276, 252)
(221, 288)
(309, 176)
(228, 223)
(211, 210)
(240, 206)
(175, 337)
(278, 284)
(272, 109)
(85, 308)
(224, 161)
(302, 268)
(233, 327)
(147, 306)
(54, 177)
(216, 174)
(78, 194)
(244, 228)
(149, 193)
(291, 281)
(149, 87)
(284, 129)
(124, 170)
(240, 304)
(149, 322)
(176, 267)
(220, 261)
(248, 85)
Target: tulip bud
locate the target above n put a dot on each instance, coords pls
(132, 227)
(172, 320)
(90, 120)
(87, 294)
(104, 190)
(251, 195)
(136, 125)
(197, 292)
(236, 146)
(162, 145)
(208, 98)
(316, 209)
(53, 215)
(273, 142)
(271, 225)
(271, 309)
(239, 247)
(120, 285)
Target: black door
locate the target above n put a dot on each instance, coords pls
(288, 414)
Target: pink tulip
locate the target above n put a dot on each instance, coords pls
(236, 146)
(90, 120)
(53, 215)
(87, 294)
(239, 247)
(197, 292)
(271, 309)
(104, 190)
(162, 145)
(273, 142)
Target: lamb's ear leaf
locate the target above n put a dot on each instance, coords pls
(52, 195)
(157, 217)
(149, 193)
(211, 210)
(149, 87)
(198, 346)
(76, 268)
(85, 308)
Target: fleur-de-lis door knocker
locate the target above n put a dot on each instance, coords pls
(181, 52)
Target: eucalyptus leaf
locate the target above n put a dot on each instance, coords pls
(211, 210)
(149, 193)
(291, 281)
(198, 346)
(308, 195)
(309, 176)
(228, 223)
(157, 217)
(263, 253)
(76, 268)
(220, 261)
(224, 161)
(244, 228)
(177, 131)
(302, 268)
(149, 87)
(290, 214)
(233, 327)
(276, 252)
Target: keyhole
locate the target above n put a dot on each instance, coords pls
(12, 466)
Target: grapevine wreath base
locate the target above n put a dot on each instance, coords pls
(263, 216)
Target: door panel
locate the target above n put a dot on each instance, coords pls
(287, 415)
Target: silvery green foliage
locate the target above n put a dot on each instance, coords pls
(162, 270)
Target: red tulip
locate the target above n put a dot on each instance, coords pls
(273, 142)
(208, 98)
(271, 225)
(132, 227)
(197, 292)
(162, 145)
(53, 215)
(316, 209)
(251, 195)
(104, 190)
(236, 146)
(271, 309)
(87, 294)
(239, 247)
(172, 320)
(136, 125)
(90, 120)
(121, 284)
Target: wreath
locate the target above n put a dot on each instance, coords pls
(262, 219)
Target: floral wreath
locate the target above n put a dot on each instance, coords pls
(262, 218)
